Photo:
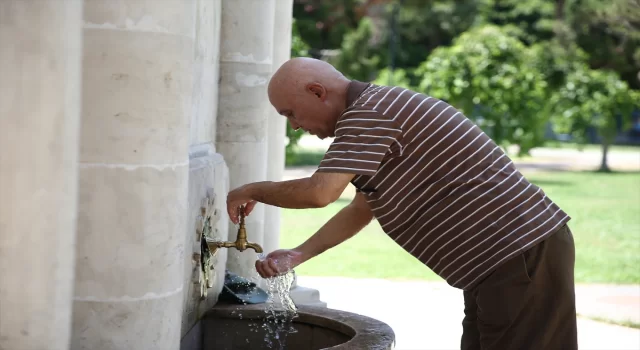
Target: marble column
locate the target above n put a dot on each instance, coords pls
(137, 77)
(276, 125)
(40, 59)
(206, 69)
(245, 68)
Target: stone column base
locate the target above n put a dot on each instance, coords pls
(306, 296)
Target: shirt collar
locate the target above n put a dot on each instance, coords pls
(355, 89)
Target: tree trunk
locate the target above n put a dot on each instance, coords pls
(559, 10)
(604, 166)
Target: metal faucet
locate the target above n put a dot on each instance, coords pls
(241, 242)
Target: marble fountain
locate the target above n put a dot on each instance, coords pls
(261, 326)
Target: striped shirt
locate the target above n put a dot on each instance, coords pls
(437, 184)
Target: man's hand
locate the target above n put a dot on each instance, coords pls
(279, 262)
(346, 223)
(241, 196)
(316, 191)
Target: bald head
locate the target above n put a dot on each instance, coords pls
(311, 93)
(297, 72)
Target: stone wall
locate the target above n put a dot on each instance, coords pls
(208, 186)
(208, 172)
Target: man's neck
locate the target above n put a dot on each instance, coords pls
(345, 94)
(354, 89)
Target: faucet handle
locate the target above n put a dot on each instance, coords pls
(241, 212)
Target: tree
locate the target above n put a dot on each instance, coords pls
(609, 31)
(358, 59)
(490, 75)
(324, 23)
(594, 98)
(299, 47)
(424, 25)
(555, 60)
(534, 19)
(396, 78)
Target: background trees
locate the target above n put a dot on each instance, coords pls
(513, 66)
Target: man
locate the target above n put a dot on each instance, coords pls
(439, 187)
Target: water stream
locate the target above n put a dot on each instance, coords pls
(280, 310)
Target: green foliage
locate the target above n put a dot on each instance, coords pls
(534, 19)
(323, 23)
(399, 77)
(594, 98)
(609, 31)
(490, 75)
(299, 47)
(358, 59)
(290, 150)
(423, 26)
(506, 63)
(304, 157)
(555, 61)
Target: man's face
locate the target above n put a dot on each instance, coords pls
(304, 110)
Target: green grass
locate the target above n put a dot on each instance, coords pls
(312, 157)
(605, 211)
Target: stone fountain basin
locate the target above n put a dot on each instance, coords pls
(232, 326)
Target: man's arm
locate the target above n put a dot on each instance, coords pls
(319, 190)
(316, 191)
(342, 226)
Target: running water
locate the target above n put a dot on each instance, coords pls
(280, 310)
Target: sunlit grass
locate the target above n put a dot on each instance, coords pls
(605, 211)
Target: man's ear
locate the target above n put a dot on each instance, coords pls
(318, 90)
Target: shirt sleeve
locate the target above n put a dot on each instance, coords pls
(364, 139)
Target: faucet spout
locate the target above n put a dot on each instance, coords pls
(241, 243)
(255, 246)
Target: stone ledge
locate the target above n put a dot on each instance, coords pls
(306, 296)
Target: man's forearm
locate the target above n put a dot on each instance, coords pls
(344, 225)
(293, 194)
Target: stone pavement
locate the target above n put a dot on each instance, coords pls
(619, 303)
(427, 315)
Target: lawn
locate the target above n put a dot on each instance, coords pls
(605, 211)
(312, 157)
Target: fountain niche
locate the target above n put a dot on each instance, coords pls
(261, 326)
(240, 327)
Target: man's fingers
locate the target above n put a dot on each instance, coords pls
(273, 266)
(268, 269)
(264, 270)
(233, 213)
(259, 269)
(249, 207)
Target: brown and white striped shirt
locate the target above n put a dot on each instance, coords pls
(437, 184)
